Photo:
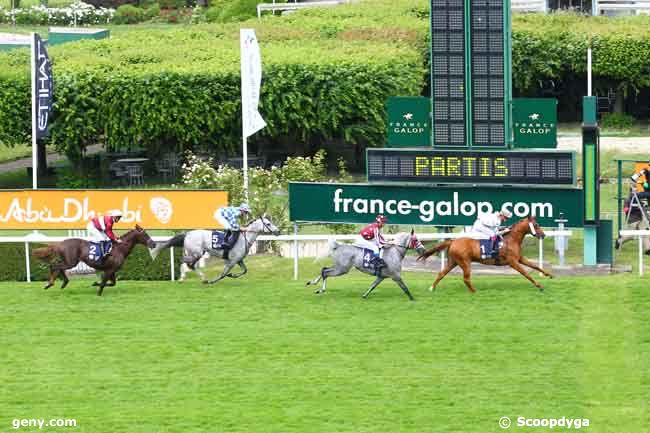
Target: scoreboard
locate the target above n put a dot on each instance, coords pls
(485, 167)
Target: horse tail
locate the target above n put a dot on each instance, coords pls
(46, 253)
(176, 241)
(436, 248)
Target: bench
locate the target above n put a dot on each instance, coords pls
(295, 6)
(621, 7)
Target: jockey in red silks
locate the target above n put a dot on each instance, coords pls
(372, 239)
(100, 229)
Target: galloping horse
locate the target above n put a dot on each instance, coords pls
(195, 243)
(347, 256)
(67, 254)
(463, 251)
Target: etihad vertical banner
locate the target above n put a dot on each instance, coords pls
(71, 209)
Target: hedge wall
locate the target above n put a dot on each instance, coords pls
(327, 74)
(138, 265)
(181, 88)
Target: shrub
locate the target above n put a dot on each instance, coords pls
(128, 14)
(152, 12)
(616, 121)
(237, 10)
(111, 4)
(172, 4)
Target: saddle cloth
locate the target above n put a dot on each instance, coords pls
(217, 239)
(486, 248)
(368, 258)
(98, 250)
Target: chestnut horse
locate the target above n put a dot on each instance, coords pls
(67, 254)
(463, 251)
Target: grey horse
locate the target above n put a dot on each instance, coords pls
(346, 256)
(196, 243)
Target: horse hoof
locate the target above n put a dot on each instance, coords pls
(431, 288)
(541, 288)
(47, 287)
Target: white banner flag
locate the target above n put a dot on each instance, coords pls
(251, 78)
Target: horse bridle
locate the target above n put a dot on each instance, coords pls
(264, 224)
(405, 248)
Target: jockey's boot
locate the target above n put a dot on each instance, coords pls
(494, 246)
(226, 244)
(379, 265)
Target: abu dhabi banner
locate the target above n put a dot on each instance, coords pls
(71, 209)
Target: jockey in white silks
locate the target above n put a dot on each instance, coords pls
(490, 224)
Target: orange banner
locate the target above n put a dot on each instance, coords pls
(71, 209)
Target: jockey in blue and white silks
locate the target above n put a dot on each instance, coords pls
(228, 217)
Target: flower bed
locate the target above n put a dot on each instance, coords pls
(78, 13)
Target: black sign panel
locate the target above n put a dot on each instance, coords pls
(448, 72)
(44, 84)
(488, 108)
(478, 167)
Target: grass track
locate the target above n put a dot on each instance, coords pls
(264, 354)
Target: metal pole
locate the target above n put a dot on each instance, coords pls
(589, 70)
(619, 176)
(27, 264)
(541, 252)
(245, 168)
(34, 140)
(443, 259)
(295, 251)
(640, 255)
(171, 262)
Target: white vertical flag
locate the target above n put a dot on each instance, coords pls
(251, 78)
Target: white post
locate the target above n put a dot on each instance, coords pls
(34, 143)
(27, 264)
(245, 168)
(295, 251)
(171, 261)
(589, 70)
(640, 255)
(443, 259)
(541, 253)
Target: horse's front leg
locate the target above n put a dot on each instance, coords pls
(404, 288)
(372, 287)
(226, 270)
(243, 268)
(530, 264)
(517, 267)
(105, 277)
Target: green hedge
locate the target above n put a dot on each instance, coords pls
(326, 75)
(138, 265)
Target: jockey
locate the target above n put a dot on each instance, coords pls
(228, 218)
(100, 229)
(372, 239)
(490, 224)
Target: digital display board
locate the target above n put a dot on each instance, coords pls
(484, 167)
(448, 55)
(488, 83)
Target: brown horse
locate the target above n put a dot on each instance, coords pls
(463, 251)
(67, 254)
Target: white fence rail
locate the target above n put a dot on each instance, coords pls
(42, 239)
(640, 234)
(621, 7)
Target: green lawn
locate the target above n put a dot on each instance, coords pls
(264, 354)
